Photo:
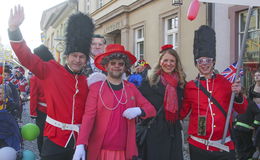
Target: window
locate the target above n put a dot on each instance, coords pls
(100, 3)
(251, 56)
(139, 43)
(57, 33)
(171, 31)
(253, 43)
(52, 40)
(87, 6)
(62, 30)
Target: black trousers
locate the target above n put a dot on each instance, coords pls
(66, 155)
(201, 154)
(40, 121)
(257, 138)
(244, 144)
(52, 151)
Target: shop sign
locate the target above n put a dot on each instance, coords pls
(112, 27)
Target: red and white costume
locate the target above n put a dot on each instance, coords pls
(65, 94)
(37, 98)
(196, 102)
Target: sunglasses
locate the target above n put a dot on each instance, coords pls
(204, 60)
(120, 64)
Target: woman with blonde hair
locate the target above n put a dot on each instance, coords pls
(164, 89)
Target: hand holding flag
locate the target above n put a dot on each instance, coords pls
(230, 72)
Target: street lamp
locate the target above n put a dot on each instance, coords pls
(176, 2)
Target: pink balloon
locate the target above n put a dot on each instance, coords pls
(193, 10)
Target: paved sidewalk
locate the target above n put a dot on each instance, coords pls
(29, 145)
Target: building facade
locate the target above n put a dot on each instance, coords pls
(142, 26)
(229, 23)
(53, 25)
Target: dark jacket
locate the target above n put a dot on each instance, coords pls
(9, 130)
(164, 140)
(244, 122)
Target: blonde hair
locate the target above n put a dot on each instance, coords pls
(154, 76)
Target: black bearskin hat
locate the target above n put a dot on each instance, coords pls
(204, 43)
(43, 52)
(79, 34)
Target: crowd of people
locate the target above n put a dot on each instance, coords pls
(14, 92)
(94, 108)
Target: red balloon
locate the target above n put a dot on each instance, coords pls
(193, 10)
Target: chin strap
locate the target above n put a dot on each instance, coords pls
(71, 71)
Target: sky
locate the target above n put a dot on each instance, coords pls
(30, 28)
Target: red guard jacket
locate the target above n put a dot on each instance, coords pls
(65, 92)
(37, 99)
(197, 104)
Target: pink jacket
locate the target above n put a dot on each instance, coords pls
(96, 118)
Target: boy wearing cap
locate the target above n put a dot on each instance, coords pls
(108, 125)
(65, 87)
(208, 116)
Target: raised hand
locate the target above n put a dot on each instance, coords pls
(16, 18)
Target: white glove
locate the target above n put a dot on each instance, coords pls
(131, 113)
(80, 153)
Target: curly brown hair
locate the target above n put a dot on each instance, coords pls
(117, 55)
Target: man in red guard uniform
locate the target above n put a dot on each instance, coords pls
(38, 106)
(65, 88)
(207, 98)
(108, 126)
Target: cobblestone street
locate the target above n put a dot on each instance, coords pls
(29, 145)
(32, 145)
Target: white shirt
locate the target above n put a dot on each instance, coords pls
(93, 66)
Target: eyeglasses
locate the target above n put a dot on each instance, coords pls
(120, 64)
(204, 60)
(97, 44)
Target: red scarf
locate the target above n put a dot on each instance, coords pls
(170, 101)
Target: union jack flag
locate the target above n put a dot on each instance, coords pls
(230, 72)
